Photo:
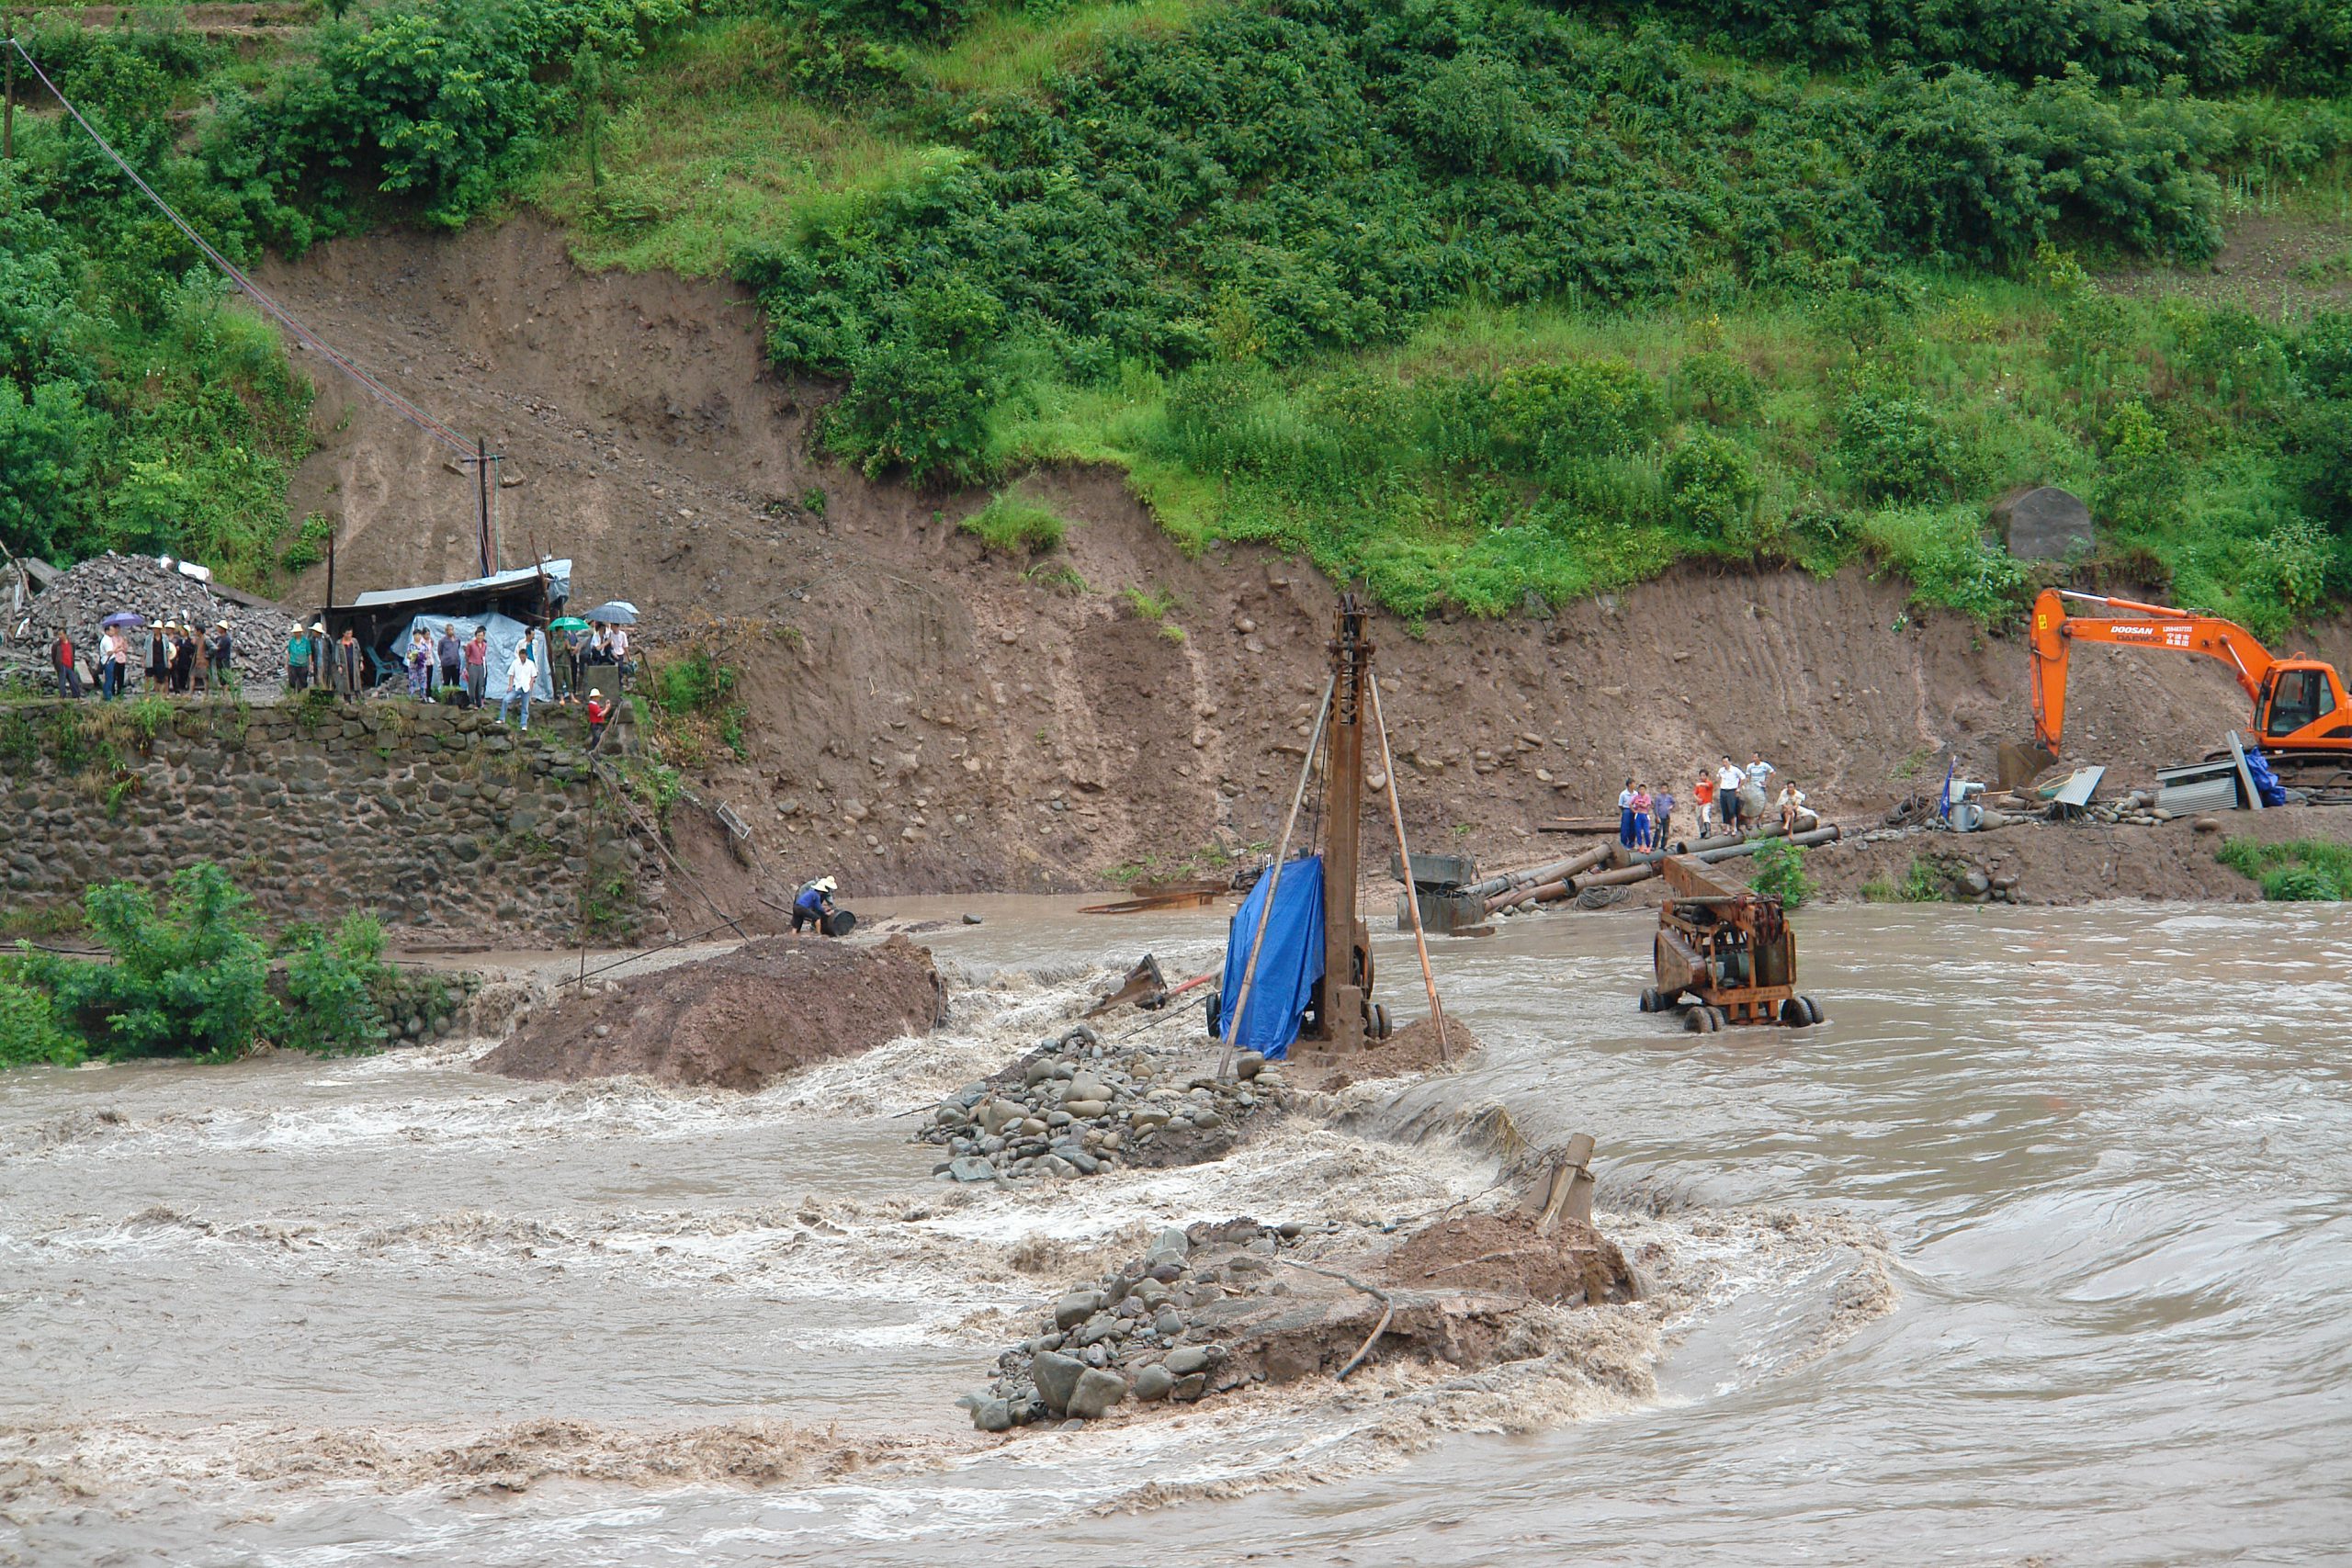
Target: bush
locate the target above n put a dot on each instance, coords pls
(1892, 448)
(1711, 487)
(1781, 873)
(189, 979)
(1580, 408)
(331, 981)
(920, 394)
(1014, 525)
(29, 1033)
(695, 684)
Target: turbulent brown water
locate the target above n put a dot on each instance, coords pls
(2038, 1249)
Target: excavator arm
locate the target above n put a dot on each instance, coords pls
(2138, 626)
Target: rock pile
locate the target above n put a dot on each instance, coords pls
(1223, 1305)
(86, 594)
(1069, 1108)
(1134, 1333)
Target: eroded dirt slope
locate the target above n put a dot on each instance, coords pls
(940, 720)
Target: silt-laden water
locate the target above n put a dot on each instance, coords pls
(2039, 1248)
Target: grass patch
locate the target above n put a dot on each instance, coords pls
(2302, 871)
(1927, 882)
(1013, 525)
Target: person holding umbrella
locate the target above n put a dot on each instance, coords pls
(618, 614)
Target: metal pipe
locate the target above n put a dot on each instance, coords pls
(1551, 870)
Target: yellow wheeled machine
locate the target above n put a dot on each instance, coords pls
(1725, 951)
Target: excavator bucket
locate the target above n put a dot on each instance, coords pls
(2018, 767)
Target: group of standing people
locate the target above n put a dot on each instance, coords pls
(336, 664)
(177, 658)
(1731, 799)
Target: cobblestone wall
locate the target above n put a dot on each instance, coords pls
(449, 826)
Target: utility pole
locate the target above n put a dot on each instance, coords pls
(481, 460)
(8, 114)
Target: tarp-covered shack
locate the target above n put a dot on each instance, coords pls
(507, 604)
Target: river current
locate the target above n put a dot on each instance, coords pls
(2039, 1249)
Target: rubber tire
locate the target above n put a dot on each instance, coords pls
(1811, 1010)
(1647, 1001)
(1379, 1021)
(1793, 1013)
(1215, 1008)
(1695, 1022)
(1715, 1019)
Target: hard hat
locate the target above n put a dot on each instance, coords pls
(827, 884)
(595, 692)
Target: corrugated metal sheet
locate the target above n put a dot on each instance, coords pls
(2199, 786)
(557, 573)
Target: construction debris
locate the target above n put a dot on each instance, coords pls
(77, 598)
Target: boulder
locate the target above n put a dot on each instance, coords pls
(2042, 523)
(1096, 1393)
(1056, 1377)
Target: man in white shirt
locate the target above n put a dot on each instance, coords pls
(1728, 778)
(521, 675)
(1625, 814)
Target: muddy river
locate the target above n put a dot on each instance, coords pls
(2040, 1248)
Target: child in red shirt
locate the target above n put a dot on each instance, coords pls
(599, 710)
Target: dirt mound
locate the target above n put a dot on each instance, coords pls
(1506, 1253)
(737, 1021)
(1412, 1049)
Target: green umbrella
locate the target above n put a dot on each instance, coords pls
(568, 623)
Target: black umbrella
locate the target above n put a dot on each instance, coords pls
(615, 614)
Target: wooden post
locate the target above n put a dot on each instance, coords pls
(1341, 1019)
(1404, 858)
(8, 114)
(330, 568)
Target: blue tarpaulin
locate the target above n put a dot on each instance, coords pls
(1290, 960)
(2265, 783)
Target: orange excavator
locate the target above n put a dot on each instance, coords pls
(2302, 717)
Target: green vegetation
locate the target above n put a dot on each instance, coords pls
(2302, 871)
(190, 978)
(1927, 881)
(690, 701)
(1490, 306)
(1013, 525)
(1781, 873)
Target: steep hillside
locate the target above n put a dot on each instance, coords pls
(987, 724)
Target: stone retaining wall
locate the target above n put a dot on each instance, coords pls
(447, 826)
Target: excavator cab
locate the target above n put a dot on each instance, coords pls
(2301, 702)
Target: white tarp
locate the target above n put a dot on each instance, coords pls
(505, 636)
